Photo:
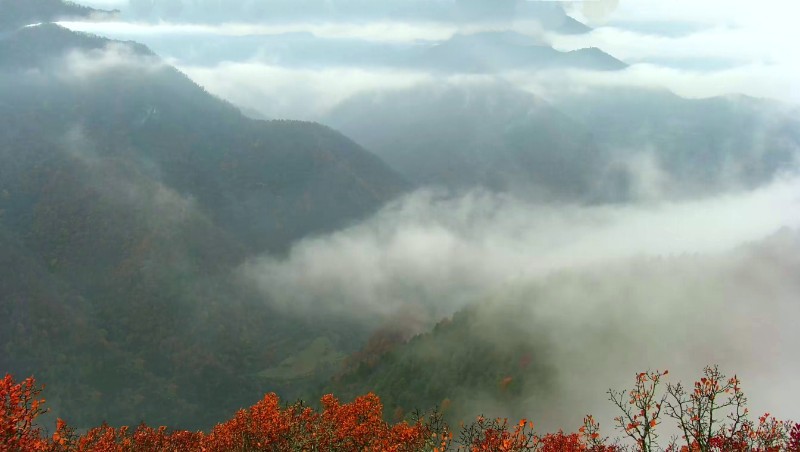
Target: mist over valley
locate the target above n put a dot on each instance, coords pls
(491, 207)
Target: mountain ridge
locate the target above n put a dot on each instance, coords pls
(18, 13)
(129, 197)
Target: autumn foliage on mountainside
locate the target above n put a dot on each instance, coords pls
(712, 417)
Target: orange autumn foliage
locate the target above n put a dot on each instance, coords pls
(266, 426)
(19, 406)
(359, 426)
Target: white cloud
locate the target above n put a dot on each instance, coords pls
(280, 92)
(738, 45)
(753, 43)
(772, 81)
(105, 4)
(607, 323)
(735, 12)
(82, 64)
(309, 93)
(755, 40)
(368, 31)
(449, 251)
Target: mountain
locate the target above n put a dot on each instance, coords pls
(462, 365)
(688, 146)
(483, 52)
(462, 136)
(18, 13)
(597, 146)
(491, 52)
(267, 183)
(128, 199)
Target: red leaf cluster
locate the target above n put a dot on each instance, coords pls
(266, 426)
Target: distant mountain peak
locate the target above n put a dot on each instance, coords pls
(499, 50)
(595, 58)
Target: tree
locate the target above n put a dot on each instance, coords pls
(641, 408)
(20, 405)
(713, 418)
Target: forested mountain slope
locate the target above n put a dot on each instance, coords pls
(128, 196)
(541, 348)
(601, 145)
(489, 135)
(689, 146)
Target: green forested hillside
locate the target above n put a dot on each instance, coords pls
(546, 348)
(465, 365)
(128, 196)
(265, 182)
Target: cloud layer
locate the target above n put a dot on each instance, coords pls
(726, 47)
(280, 92)
(445, 251)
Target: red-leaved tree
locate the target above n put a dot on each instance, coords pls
(712, 417)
